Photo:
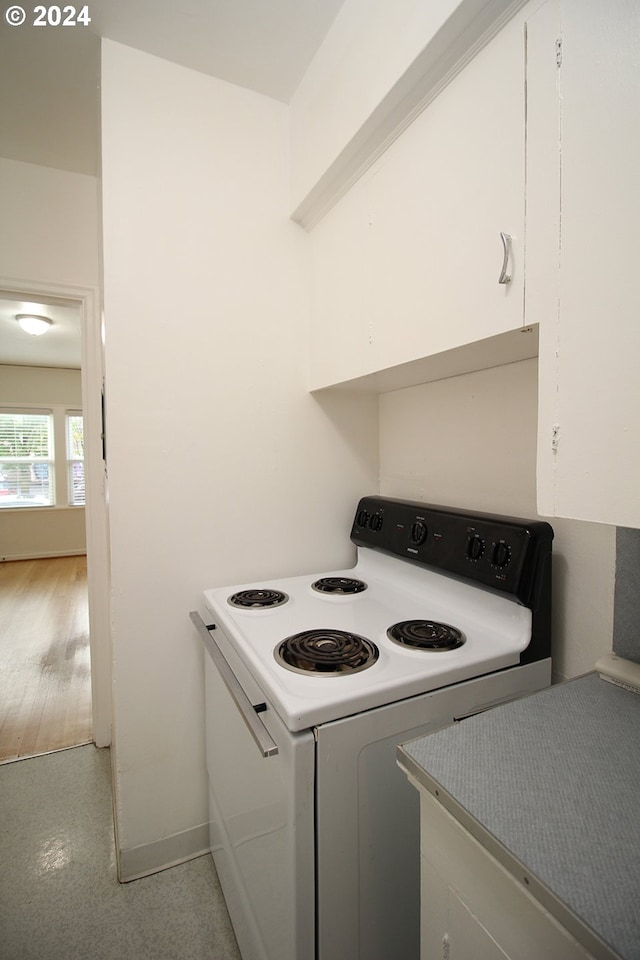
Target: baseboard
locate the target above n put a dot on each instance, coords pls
(32, 756)
(161, 854)
(44, 556)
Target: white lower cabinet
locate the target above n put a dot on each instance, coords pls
(472, 908)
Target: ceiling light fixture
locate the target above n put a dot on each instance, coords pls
(36, 326)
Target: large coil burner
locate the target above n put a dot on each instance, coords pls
(325, 653)
(426, 635)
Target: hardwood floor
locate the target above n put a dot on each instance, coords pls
(45, 673)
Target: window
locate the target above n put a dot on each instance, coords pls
(26, 459)
(75, 459)
(41, 457)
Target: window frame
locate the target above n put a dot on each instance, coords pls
(69, 415)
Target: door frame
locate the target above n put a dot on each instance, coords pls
(97, 532)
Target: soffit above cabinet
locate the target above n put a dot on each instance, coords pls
(472, 25)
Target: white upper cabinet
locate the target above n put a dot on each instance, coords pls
(407, 264)
(589, 394)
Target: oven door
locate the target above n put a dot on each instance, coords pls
(261, 813)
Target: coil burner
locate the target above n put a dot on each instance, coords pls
(325, 653)
(339, 585)
(254, 599)
(426, 635)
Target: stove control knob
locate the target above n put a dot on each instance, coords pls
(475, 547)
(500, 554)
(376, 522)
(363, 518)
(418, 533)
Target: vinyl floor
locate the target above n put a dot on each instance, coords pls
(59, 895)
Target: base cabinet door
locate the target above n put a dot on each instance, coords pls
(472, 908)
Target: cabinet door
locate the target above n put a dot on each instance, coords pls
(437, 206)
(589, 423)
(407, 264)
(472, 908)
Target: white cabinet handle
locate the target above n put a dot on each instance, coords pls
(506, 245)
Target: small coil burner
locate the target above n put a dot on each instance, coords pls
(326, 652)
(253, 599)
(339, 585)
(426, 635)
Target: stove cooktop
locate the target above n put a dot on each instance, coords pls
(495, 629)
(436, 597)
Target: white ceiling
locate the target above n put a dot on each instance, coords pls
(58, 347)
(50, 102)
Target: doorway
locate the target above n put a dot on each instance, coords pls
(56, 555)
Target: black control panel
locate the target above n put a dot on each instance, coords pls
(507, 554)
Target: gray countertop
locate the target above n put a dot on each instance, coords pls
(551, 785)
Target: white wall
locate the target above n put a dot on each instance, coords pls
(470, 441)
(43, 531)
(221, 467)
(49, 225)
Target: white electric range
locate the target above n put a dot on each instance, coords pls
(312, 681)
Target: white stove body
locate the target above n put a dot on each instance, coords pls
(317, 847)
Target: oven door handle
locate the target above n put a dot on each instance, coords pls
(262, 737)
